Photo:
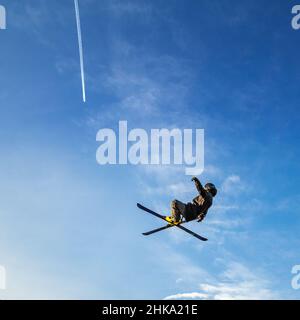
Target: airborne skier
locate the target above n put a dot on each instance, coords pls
(197, 209)
(190, 211)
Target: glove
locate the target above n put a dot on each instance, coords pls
(200, 217)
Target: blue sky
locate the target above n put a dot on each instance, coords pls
(69, 227)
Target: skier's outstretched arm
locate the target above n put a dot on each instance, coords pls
(198, 185)
(201, 217)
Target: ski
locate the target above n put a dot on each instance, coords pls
(157, 230)
(161, 228)
(164, 218)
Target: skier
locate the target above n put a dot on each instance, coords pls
(199, 206)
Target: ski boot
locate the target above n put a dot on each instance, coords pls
(171, 221)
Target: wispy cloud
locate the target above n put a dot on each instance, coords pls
(226, 223)
(188, 296)
(145, 83)
(236, 283)
(172, 189)
(232, 185)
(224, 207)
(141, 84)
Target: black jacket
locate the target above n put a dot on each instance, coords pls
(200, 204)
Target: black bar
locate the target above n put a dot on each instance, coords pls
(145, 309)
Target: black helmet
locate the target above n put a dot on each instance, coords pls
(211, 188)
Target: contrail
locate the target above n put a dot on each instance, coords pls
(80, 49)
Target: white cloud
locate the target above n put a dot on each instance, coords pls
(232, 185)
(226, 223)
(212, 171)
(141, 87)
(237, 282)
(225, 208)
(178, 265)
(141, 82)
(187, 296)
(245, 290)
